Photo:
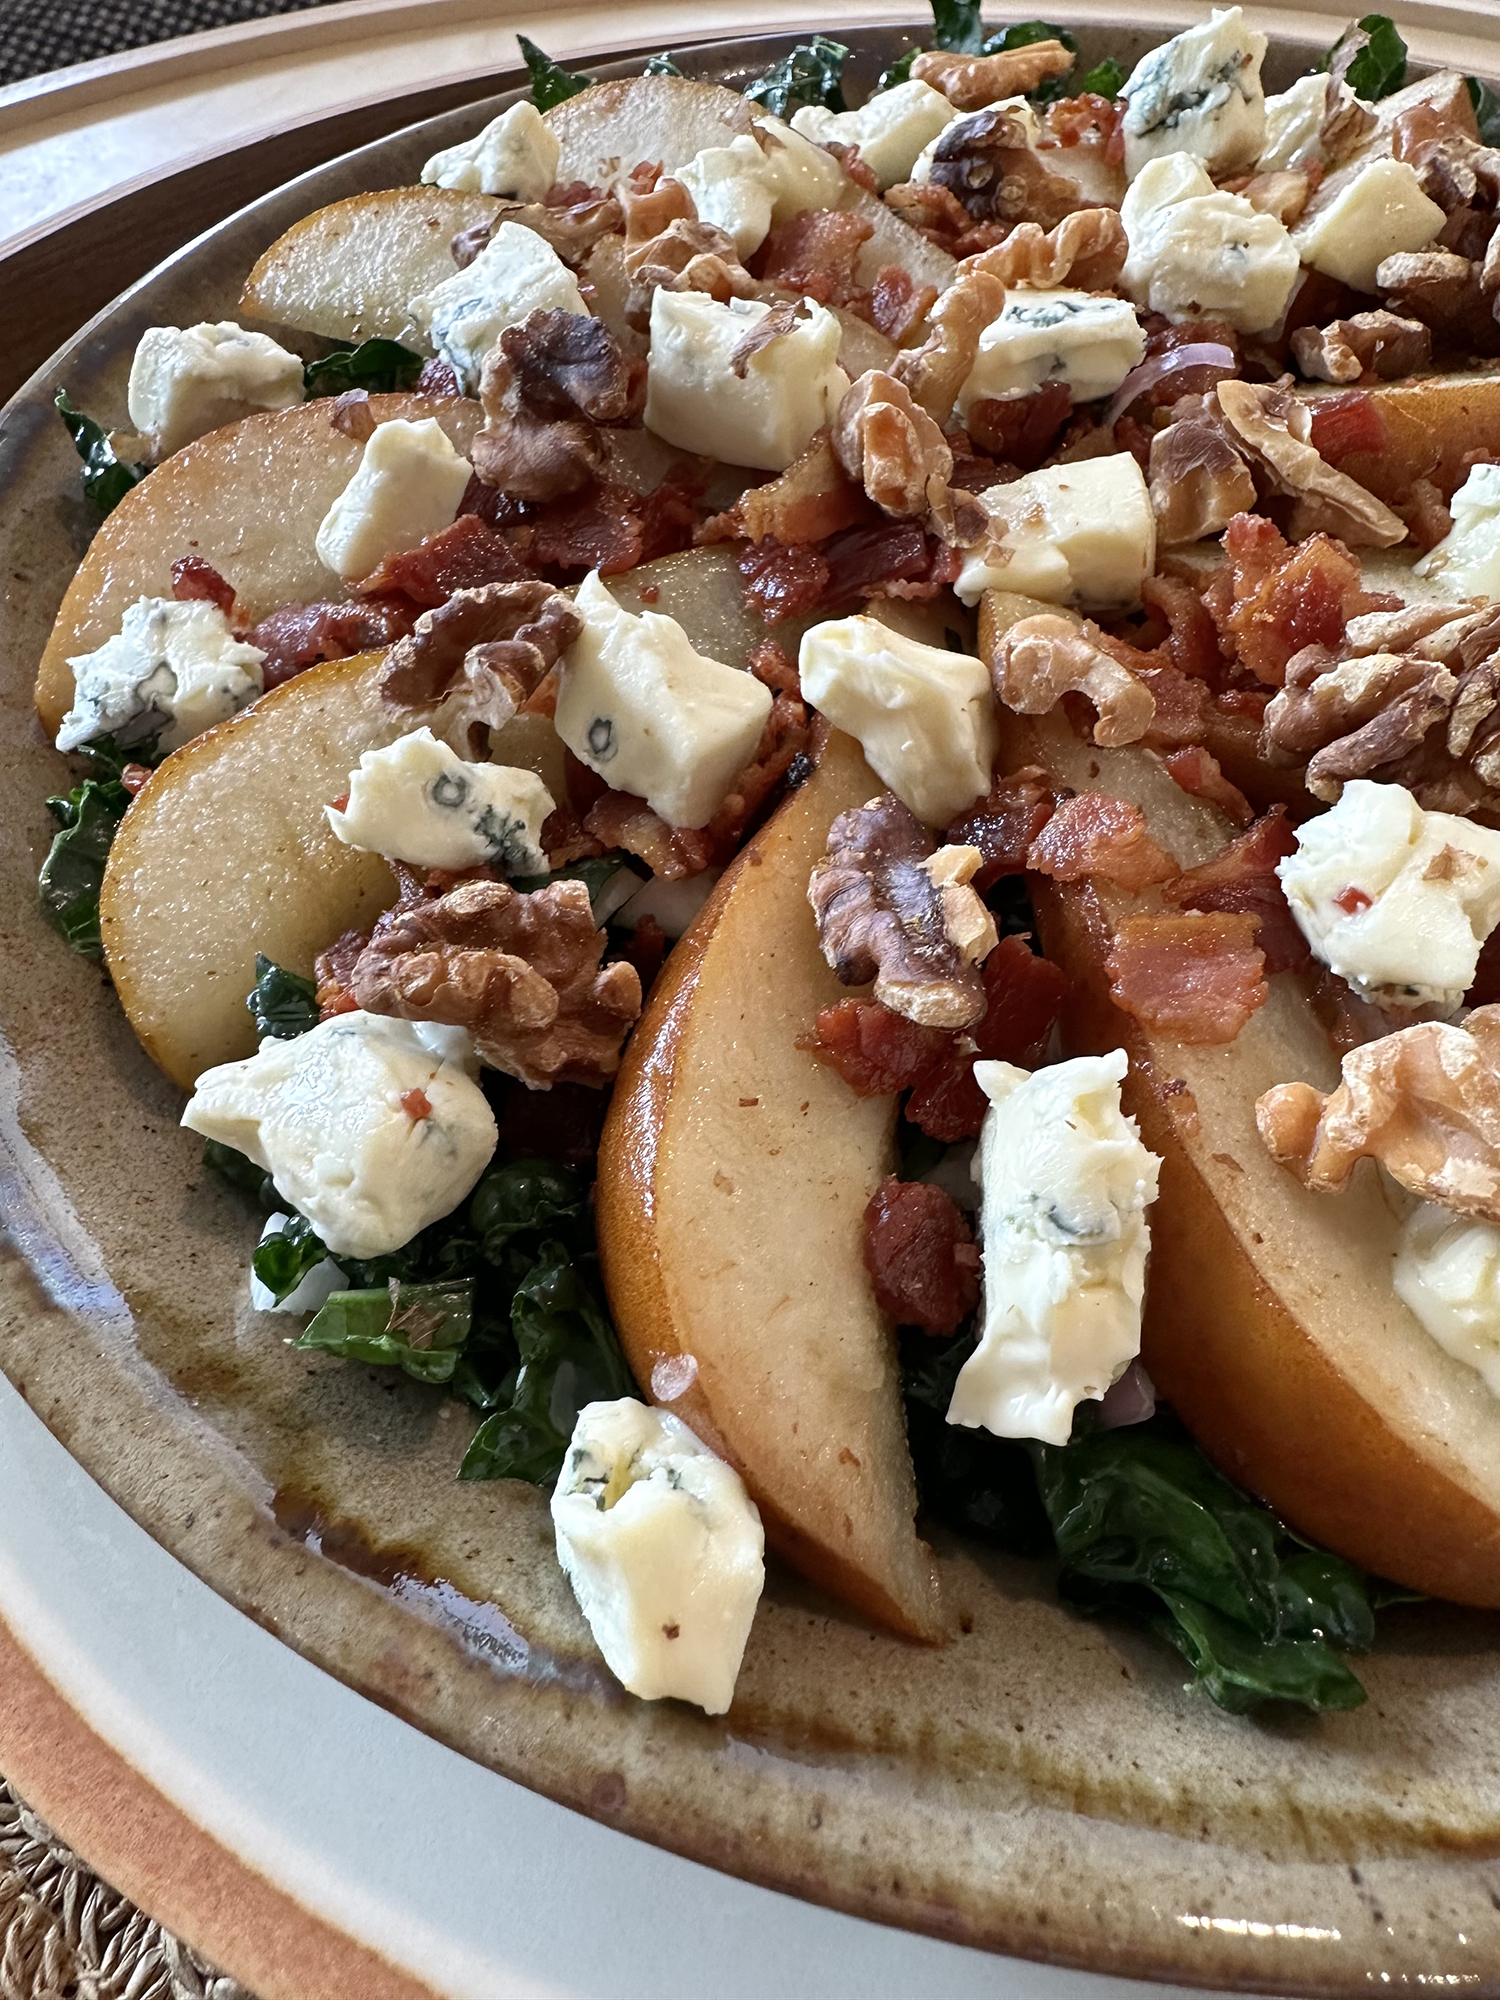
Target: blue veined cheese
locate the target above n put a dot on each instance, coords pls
(407, 486)
(336, 1117)
(516, 154)
(173, 668)
(1396, 900)
(516, 274)
(1447, 1271)
(664, 1550)
(1199, 93)
(1089, 341)
(892, 130)
(1379, 213)
(924, 717)
(186, 380)
(418, 801)
(1064, 1187)
(1082, 534)
(314, 1288)
(1295, 120)
(1467, 559)
(639, 705)
(799, 174)
(761, 411)
(1196, 250)
(731, 189)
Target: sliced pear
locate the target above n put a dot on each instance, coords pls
(732, 1186)
(1436, 425)
(247, 499)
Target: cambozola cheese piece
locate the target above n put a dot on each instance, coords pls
(652, 716)
(1447, 1270)
(314, 1288)
(1467, 560)
(1199, 93)
(763, 415)
(1396, 900)
(1081, 534)
(418, 801)
(1294, 124)
(1064, 1187)
(924, 717)
(892, 130)
(731, 189)
(516, 154)
(407, 486)
(1195, 250)
(370, 1126)
(173, 670)
(187, 380)
(1380, 213)
(1089, 341)
(800, 175)
(664, 1549)
(516, 274)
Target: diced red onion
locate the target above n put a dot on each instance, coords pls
(1198, 354)
(1129, 1401)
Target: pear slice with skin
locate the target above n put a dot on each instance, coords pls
(733, 1179)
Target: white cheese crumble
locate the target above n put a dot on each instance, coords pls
(1086, 340)
(1467, 559)
(639, 705)
(1195, 250)
(1294, 124)
(763, 417)
(314, 1287)
(407, 486)
(370, 1126)
(1199, 93)
(731, 189)
(924, 717)
(800, 175)
(418, 801)
(1081, 534)
(1396, 900)
(173, 668)
(516, 154)
(1447, 1271)
(1380, 213)
(892, 130)
(186, 380)
(1064, 1187)
(516, 274)
(664, 1549)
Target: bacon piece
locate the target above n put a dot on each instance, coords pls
(1242, 878)
(1004, 824)
(898, 303)
(1198, 977)
(618, 819)
(782, 583)
(134, 776)
(1343, 425)
(921, 1253)
(1025, 995)
(770, 662)
(333, 971)
(864, 562)
(194, 580)
(812, 499)
(600, 528)
(1182, 708)
(1197, 771)
(1093, 834)
(460, 557)
(1087, 118)
(875, 1051)
(1192, 639)
(784, 739)
(1269, 601)
(814, 253)
(302, 635)
(1021, 429)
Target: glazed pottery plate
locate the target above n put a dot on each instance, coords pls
(1042, 1786)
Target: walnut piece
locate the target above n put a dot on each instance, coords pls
(1446, 292)
(521, 972)
(1424, 1102)
(1041, 659)
(1086, 250)
(889, 445)
(1381, 344)
(987, 163)
(572, 231)
(548, 387)
(972, 82)
(1274, 427)
(938, 369)
(893, 907)
(1199, 480)
(489, 648)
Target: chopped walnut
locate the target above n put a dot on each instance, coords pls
(938, 369)
(1280, 193)
(987, 163)
(548, 386)
(1086, 250)
(1445, 292)
(894, 908)
(1199, 480)
(351, 414)
(685, 256)
(1274, 426)
(889, 445)
(972, 82)
(572, 231)
(485, 650)
(1041, 659)
(521, 972)
(776, 325)
(1380, 344)
(1424, 1102)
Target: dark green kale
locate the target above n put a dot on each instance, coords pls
(420, 1329)
(811, 73)
(282, 1262)
(898, 72)
(89, 817)
(282, 1004)
(1105, 79)
(661, 64)
(1486, 105)
(956, 26)
(250, 1179)
(550, 82)
(1371, 58)
(106, 479)
(381, 366)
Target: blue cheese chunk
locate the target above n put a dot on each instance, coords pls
(731, 189)
(1467, 559)
(516, 274)
(1087, 340)
(1199, 93)
(516, 154)
(799, 174)
(892, 129)
(418, 801)
(1379, 213)
(651, 715)
(370, 1126)
(171, 671)
(408, 485)
(1295, 120)
(1194, 250)
(1082, 534)
(712, 390)
(187, 380)
(1447, 1270)
(664, 1550)
(1064, 1187)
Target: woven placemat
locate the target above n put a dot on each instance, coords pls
(65, 1935)
(37, 35)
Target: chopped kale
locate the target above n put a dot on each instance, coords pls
(550, 82)
(250, 1179)
(811, 73)
(1371, 57)
(282, 1262)
(380, 366)
(1486, 105)
(661, 64)
(89, 817)
(898, 72)
(106, 479)
(956, 26)
(1105, 79)
(282, 1004)
(420, 1329)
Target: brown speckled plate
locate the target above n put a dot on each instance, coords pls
(1042, 1786)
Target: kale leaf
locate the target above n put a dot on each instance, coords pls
(956, 26)
(420, 1329)
(550, 82)
(661, 64)
(89, 817)
(898, 72)
(1105, 79)
(811, 73)
(106, 479)
(282, 1004)
(380, 366)
(1486, 105)
(1371, 57)
(282, 1262)
(244, 1174)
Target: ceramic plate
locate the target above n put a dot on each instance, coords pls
(1043, 1786)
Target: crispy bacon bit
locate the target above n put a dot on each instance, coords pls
(1269, 601)
(1351, 901)
(898, 303)
(133, 776)
(1086, 250)
(1022, 430)
(1093, 834)
(1198, 977)
(1004, 825)
(195, 579)
(497, 642)
(302, 635)
(1192, 640)
(812, 499)
(770, 662)
(921, 1253)
(1381, 344)
(647, 951)
(878, 561)
(1241, 879)
(972, 82)
(875, 1051)
(619, 819)
(938, 369)
(1025, 995)
(814, 254)
(1041, 659)
(333, 970)
(1183, 708)
(1424, 1102)
(785, 739)
(463, 556)
(351, 414)
(1088, 119)
(1275, 427)
(604, 527)
(1198, 773)
(416, 1104)
(1345, 424)
(783, 583)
